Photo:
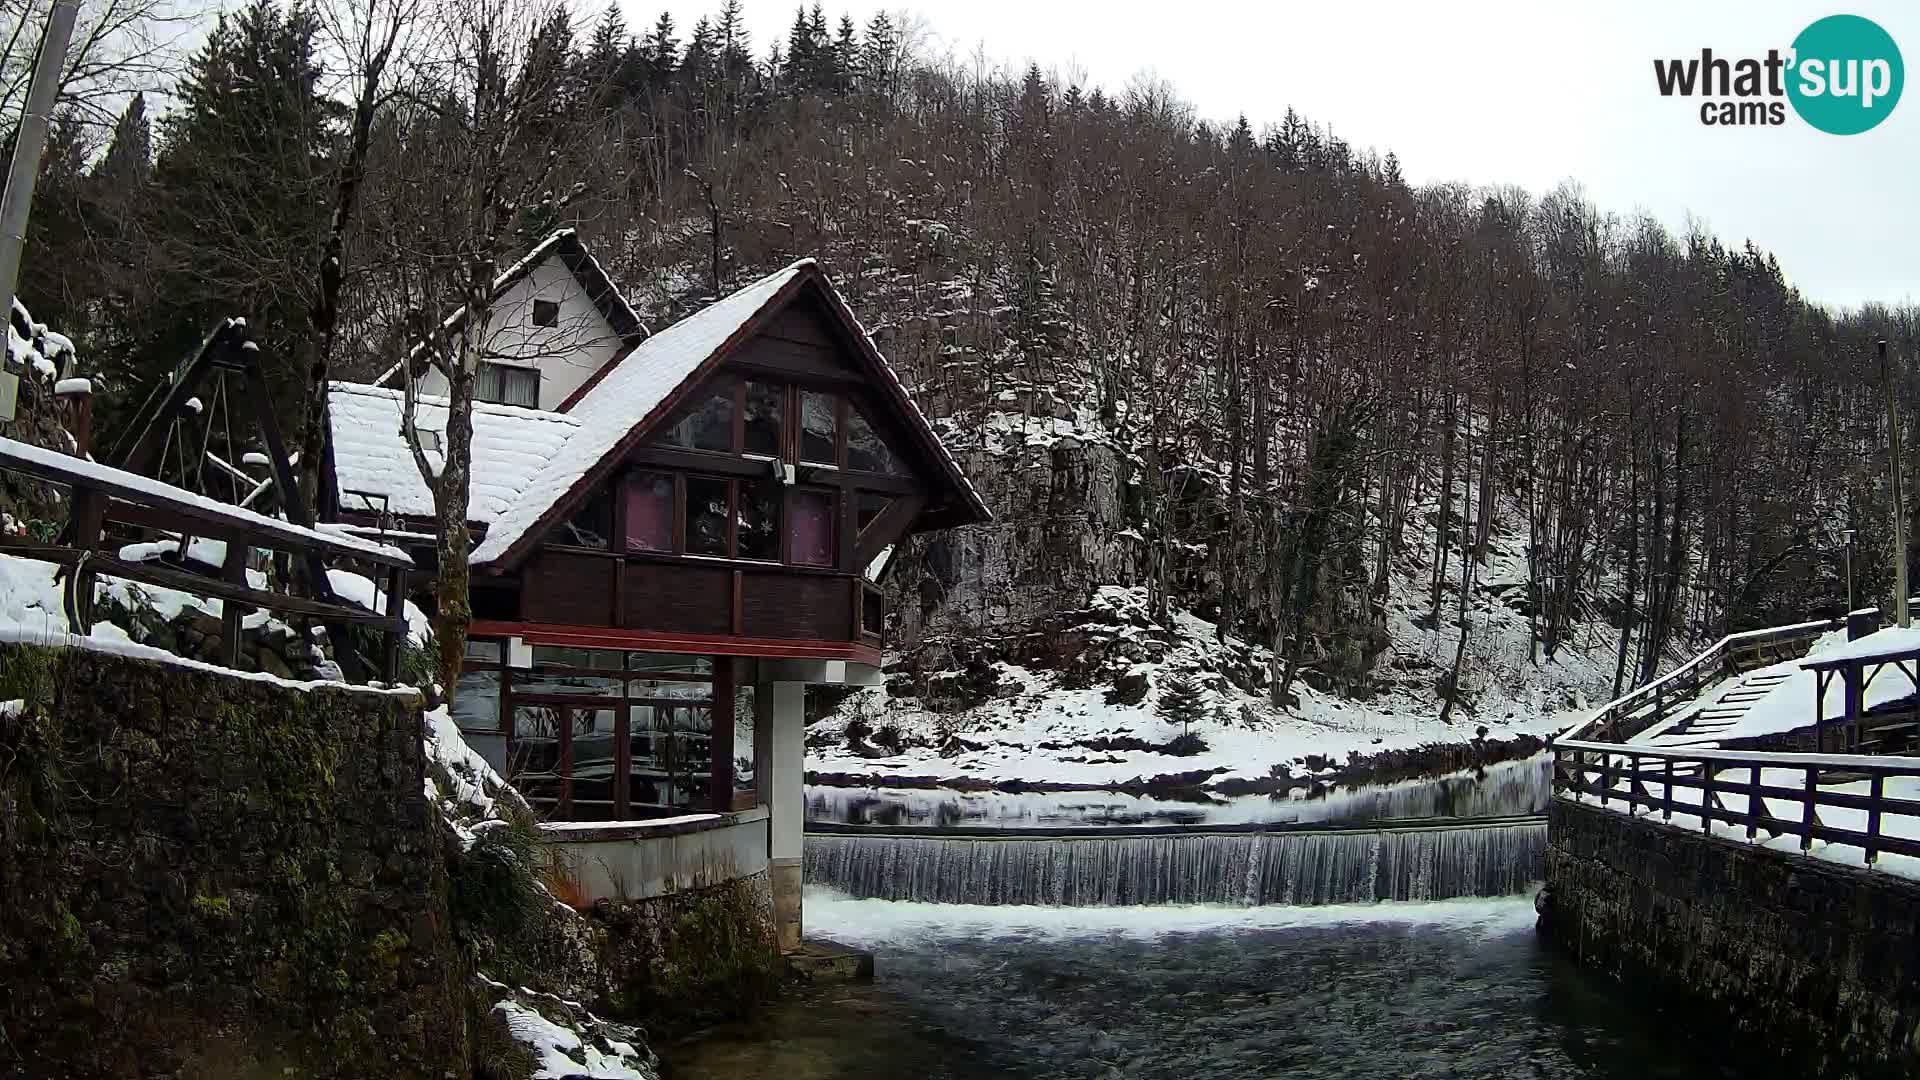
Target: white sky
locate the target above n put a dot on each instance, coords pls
(1492, 93)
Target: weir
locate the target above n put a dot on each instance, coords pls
(1415, 860)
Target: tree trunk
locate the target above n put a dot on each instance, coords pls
(454, 611)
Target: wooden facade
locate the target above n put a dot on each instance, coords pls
(736, 491)
(783, 447)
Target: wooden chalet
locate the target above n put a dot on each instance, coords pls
(675, 533)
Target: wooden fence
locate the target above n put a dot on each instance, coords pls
(100, 495)
(1647, 778)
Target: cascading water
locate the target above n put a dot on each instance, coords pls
(1249, 868)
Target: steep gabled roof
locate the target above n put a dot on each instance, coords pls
(566, 246)
(632, 394)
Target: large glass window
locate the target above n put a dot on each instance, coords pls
(810, 532)
(819, 428)
(590, 524)
(765, 404)
(759, 526)
(866, 450)
(709, 502)
(745, 778)
(591, 794)
(710, 425)
(650, 512)
(594, 734)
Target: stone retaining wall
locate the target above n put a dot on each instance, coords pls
(1817, 962)
(211, 876)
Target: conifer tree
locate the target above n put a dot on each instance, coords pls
(236, 220)
(129, 156)
(662, 52)
(1180, 702)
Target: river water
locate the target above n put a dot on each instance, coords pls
(1511, 787)
(1457, 988)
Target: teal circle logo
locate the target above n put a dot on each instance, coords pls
(1847, 75)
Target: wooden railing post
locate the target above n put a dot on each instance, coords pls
(89, 521)
(233, 569)
(396, 633)
(1874, 795)
(1706, 796)
(1806, 808)
(1753, 801)
(1666, 812)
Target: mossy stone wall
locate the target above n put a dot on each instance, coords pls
(1814, 965)
(692, 955)
(215, 877)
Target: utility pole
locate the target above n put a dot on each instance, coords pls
(17, 203)
(1899, 505)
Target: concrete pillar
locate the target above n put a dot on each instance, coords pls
(779, 730)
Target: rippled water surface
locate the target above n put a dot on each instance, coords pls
(1445, 989)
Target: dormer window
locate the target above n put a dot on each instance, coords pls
(546, 313)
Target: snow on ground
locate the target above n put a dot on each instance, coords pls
(1029, 733)
(1780, 697)
(1508, 687)
(565, 1051)
(868, 924)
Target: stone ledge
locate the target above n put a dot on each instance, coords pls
(589, 832)
(826, 962)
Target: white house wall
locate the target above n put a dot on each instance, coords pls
(566, 354)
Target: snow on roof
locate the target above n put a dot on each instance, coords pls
(1893, 641)
(510, 447)
(630, 390)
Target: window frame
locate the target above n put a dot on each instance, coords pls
(504, 369)
(719, 679)
(834, 525)
(545, 307)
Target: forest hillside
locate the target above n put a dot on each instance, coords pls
(1326, 436)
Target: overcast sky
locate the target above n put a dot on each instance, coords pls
(1494, 93)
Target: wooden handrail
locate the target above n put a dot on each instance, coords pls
(1616, 717)
(101, 494)
(208, 516)
(1611, 772)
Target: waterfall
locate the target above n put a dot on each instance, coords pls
(1247, 868)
